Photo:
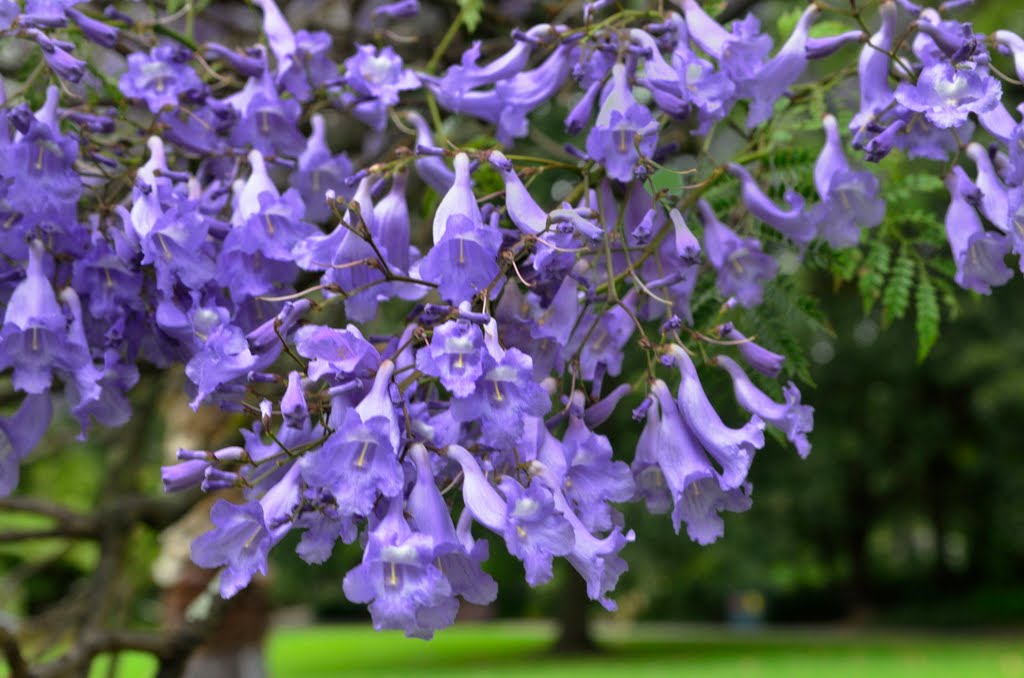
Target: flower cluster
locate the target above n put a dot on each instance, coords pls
(236, 240)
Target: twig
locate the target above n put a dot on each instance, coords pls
(12, 654)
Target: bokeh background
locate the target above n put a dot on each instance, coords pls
(896, 548)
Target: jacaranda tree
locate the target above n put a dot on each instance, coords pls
(414, 374)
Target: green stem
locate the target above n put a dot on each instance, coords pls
(446, 40)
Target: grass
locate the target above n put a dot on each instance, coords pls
(521, 649)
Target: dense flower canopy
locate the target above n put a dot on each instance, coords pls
(216, 228)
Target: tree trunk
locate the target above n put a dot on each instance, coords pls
(574, 628)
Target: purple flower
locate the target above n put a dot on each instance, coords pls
(873, 70)
(939, 40)
(335, 353)
(398, 578)
(455, 355)
(792, 418)
(625, 132)
(522, 209)
(761, 359)
(19, 434)
(849, 198)
(947, 95)
(740, 53)
(359, 462)
(533, 529)
(432, 169)
(266, 122)
(392, 233)
(711, 92)
(224, 356)
(44, 186)
(243, 535)
(979, 254)
(468, 75)
(781, 71)
(57, 54)
(302, 58)
(521, 94)
(505, 393)
(377, 77)
(177, 248)
(592, 478)
(694, 485)
(459, 560)
(99, 32)
(819, 48)
(995, 200)
(34, 331)
(458, 200)
(1015, 44)
(323, 527)
(732, 448)
(184, 475)
(648, 478)
(398, 10)
(463, 261)
(793, 223)
(741, 265)
(596, 559)
(319, 170)
(606, 344)
(160, 77)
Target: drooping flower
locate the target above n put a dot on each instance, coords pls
(849, 198)
(457, 558)
(318, 171)
(34, 331)
(625, 132)
(243, 534)
(741, 265)
(526, 517)
(793, 223)
(782, 70)
(995, 200)
(505, 393)
(761, 359)
(791, 417)
(873, 70)
(358, 463)
(732, 448)
(19, 434)
(979, 254)
(596, 559)
(592, 478)
(405, 589)
(694, 485)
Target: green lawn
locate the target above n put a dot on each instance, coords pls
(516, 649)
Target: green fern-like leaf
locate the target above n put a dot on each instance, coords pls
(844, 264)
(896, 296)
(929, 315)
(872, 273)
(471, 13)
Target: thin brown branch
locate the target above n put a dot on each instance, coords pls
(12, 654)
(60, 532)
